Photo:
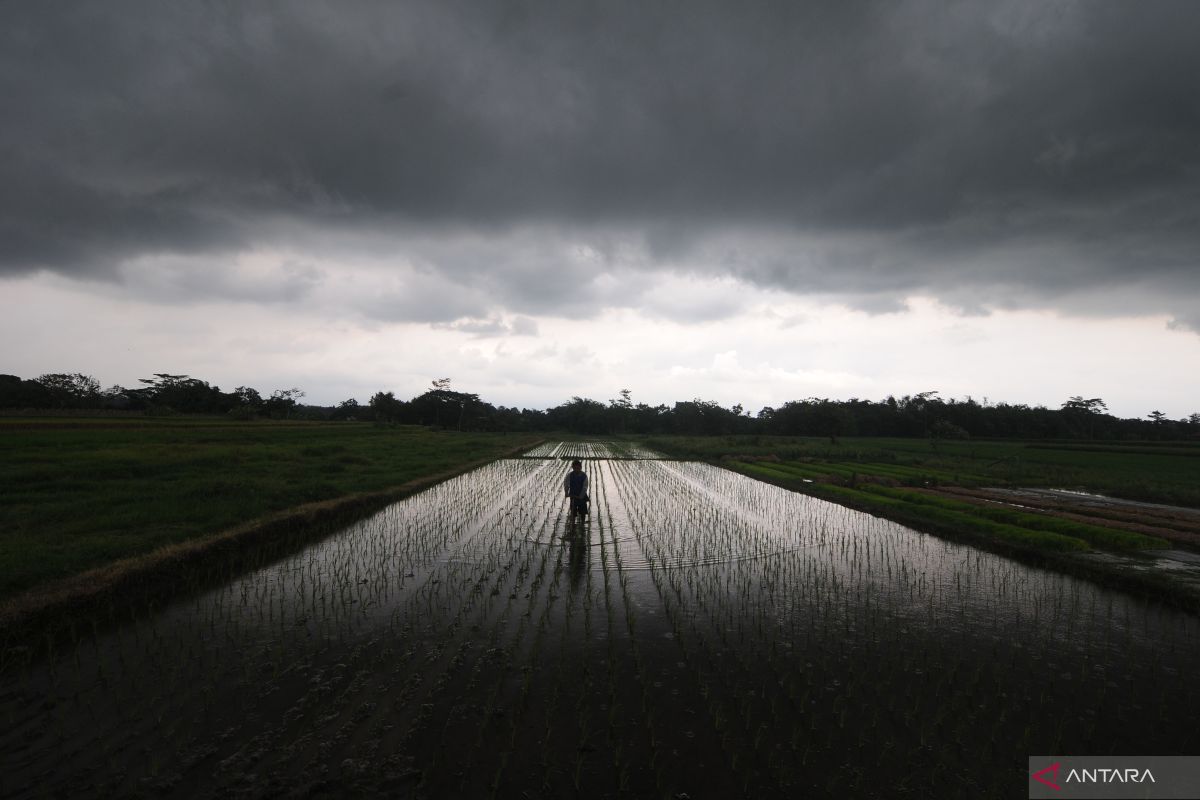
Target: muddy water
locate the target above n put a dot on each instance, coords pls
(702, 633)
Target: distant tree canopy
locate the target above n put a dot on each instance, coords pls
(162, 393)
(70, 390)
(924, 414)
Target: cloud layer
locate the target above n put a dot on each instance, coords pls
(555, 158)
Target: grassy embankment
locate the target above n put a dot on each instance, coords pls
(82, 493)
(900, 479)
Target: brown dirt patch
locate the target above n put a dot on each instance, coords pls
(1164, 525)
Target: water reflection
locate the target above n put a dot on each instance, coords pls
(578, 542)
(735, 633)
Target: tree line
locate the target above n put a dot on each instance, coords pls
(925, 414)
(163, 393)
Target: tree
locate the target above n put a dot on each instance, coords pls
(17, 393)
(1083, 412)
(114, 397)
(440, 393)
(384, 406)
(71, 389)
(1162, 426)
(579, 415)
(622, 408)
(347, 409)
(180, 393)
(1091, 406)
(282, 402)
(439, 403)
(246, 396)
(246, 403)
(1191, 425)
(703, 417)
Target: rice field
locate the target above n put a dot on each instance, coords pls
(582, 450)
(703, 634)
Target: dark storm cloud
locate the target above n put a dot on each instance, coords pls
(989, 152)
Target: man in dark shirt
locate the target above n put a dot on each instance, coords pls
(576, 487)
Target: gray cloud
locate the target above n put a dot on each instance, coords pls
(183, 281)
(991, 153)
(523, 326)
(420, 299)
(491, 327)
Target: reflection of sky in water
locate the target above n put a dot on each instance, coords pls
(914, 576)
(796, 585)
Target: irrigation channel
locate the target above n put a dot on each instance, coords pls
(703, 635)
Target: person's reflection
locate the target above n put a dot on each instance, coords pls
(578, 553)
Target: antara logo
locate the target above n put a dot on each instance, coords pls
(1105, 775)
(1040, 776)
(1049, 776)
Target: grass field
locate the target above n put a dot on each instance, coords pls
(80, 493)
(1152, 472)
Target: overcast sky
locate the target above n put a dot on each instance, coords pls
(745, 202)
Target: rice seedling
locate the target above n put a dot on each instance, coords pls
(702, 633)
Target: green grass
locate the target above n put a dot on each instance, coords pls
(1107, 538)
(1160, 473)
(927, 517)
(960, 521)
(77, 494)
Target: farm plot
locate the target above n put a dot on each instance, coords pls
(702, 633)
(581, 450)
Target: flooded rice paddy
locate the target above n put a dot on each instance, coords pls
(702, 635)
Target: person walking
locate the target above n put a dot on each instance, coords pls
(575, 485)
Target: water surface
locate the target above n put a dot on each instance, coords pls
(703, 633)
